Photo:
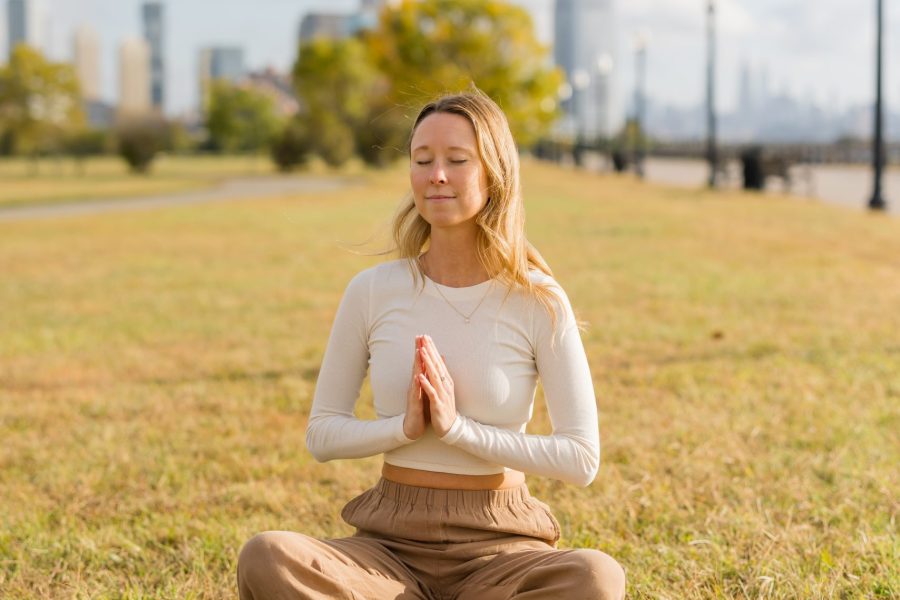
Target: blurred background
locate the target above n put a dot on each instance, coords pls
(723, 92)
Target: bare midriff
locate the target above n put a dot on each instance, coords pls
(452, 481)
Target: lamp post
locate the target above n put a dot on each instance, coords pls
(711, 150)
(640, 66)
(876, 202)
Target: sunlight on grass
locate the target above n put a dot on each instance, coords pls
(64, 180)
(156, 370)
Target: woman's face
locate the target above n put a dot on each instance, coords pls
(448, 181)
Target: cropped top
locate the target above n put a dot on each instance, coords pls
(495, 362)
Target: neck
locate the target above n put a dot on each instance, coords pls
(451, 259)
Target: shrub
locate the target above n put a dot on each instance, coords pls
(140, 140)
(290, 149)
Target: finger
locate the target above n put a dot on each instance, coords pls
(429, 389)
(436, 357)
(431, 369)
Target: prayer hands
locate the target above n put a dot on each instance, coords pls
(431, 397)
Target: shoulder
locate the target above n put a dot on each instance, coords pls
(543, 280)
(552, 309)
(382, 277)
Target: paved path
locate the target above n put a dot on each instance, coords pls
(846, 185)
(232, 189)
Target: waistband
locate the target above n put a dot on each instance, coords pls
(402, 493)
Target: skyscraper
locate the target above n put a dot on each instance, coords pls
(325, 25)
(219, 62)
(17, 14)
(86, 52)
(134, 77)
(584, 49)
(154, 30)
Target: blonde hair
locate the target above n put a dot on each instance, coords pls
(502, 248)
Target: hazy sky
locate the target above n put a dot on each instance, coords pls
(822, 49)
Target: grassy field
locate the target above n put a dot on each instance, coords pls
(60, 180)
(156, 370)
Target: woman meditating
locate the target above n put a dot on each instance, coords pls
(454, 336)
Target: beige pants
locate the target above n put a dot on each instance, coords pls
(414, 542)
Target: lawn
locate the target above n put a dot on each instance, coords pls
(157, 369)
(51, 181)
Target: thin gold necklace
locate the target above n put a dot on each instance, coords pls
(467, 318)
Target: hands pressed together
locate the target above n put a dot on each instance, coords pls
(430, 398)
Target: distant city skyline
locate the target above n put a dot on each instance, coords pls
(823, 54)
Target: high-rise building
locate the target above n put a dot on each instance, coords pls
(219, 62)
(134, 77)
(327, 25)
(584, 48)
(17, 23)
(154, 34)
(27, 23)
(86, 53)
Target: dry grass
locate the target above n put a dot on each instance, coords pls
(60, 180)
(156, 370)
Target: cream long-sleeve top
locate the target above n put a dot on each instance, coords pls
(495, 362)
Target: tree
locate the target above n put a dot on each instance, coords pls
(430, 47)
(336, 81)
(83, 143)
(292, 146)
(240, 119)
(39, 102)
(140, 139)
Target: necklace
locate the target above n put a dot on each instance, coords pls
(467, 318)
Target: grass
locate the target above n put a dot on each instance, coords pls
(53, 181)
(156, 370)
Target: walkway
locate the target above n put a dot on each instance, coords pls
(232, 189)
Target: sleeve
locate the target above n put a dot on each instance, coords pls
(572, 452)
(333, 430)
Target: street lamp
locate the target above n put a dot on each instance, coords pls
(641, 40)
(876, 202)
(711, 150)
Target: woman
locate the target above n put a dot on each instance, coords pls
(455, 335)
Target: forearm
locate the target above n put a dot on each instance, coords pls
(335, 436)
(573, 457)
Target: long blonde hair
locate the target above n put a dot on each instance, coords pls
(502, 247)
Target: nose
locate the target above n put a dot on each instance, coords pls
(438, 175)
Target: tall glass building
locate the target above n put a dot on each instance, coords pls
(154, 34)
(17, 23)
(584, 48)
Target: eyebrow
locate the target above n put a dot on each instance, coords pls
(457, 148)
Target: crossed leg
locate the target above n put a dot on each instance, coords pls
(278, 565)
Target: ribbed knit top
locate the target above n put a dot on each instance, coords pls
(495, 361)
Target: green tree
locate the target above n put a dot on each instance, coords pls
(290, 148)
(240, 119)
(81, 144)
(430, 47)
(140, 139)
(39, 103)
(336, 81)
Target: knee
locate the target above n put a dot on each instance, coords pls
(600, 574)
(260, 556)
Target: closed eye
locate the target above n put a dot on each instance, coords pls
(459, 162)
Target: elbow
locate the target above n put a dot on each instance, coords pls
(314, 444)
(586, 466)
(584, 477)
